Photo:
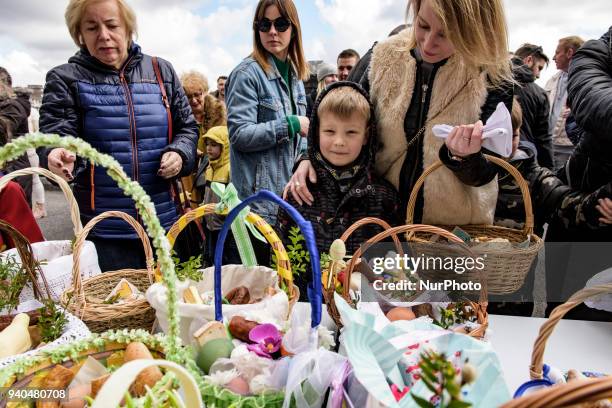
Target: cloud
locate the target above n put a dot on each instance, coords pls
(358, 23)
(355, 24)
(34, 38)
(212, 36)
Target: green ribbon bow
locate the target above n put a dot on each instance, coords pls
(228, 200)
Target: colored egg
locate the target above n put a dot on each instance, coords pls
(400, 313)
(211, 351)
(238, 386)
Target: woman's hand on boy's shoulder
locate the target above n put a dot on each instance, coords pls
(297, 184)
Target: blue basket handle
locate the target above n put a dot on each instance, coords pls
(314, 288)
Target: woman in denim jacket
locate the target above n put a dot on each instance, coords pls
(266, 106)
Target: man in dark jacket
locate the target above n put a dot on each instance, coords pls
(589, 168)
(529, 60)
(590, 98)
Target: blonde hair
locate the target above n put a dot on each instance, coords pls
(516, 116)
(574, 42)
(194, 81)
(478, 31)
(76, 9)
(344, 102)
(296, 51)
(320, 86)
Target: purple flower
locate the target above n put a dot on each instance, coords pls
(267, 340)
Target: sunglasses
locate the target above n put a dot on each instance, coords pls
(281, 25)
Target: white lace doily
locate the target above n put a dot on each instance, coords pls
(75, 330)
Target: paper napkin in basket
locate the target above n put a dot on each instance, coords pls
(381, 359)
(123, 292)
(496, 134)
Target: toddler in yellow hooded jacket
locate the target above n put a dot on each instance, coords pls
(216, 141)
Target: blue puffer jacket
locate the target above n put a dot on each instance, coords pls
(119, 113)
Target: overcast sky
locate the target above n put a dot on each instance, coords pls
(212, 36)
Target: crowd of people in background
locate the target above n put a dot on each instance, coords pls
(352, 147)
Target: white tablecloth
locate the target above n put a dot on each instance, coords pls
(586, 346)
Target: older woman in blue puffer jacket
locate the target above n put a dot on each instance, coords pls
(109, 95)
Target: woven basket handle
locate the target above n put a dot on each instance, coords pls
(114, 389)
(537, 356)
(75, 215)
(262, 226)
(24, 249)
(527, 229)
(413, 228)
(78, 245)
(350, 230)
(566, 395)
(314, 288)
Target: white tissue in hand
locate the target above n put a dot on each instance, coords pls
(496, 133)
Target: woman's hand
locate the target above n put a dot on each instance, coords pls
(61, 162)
(465, 140)
(304, 125)
(171, 165)
(605, 209)
(297, 184)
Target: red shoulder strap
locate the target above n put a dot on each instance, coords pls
(162, 88)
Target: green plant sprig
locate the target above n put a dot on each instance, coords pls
(456, 313)
(13, 279)
(51, 322)
(440, 376)
(190, 269)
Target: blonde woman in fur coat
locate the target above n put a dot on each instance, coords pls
(450, 68)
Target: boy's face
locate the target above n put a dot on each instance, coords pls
(213, 149)
(341, 140)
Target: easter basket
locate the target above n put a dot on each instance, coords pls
(555, 393)
(218, 396)
(477, 308)
(27, 372)
(507, 264)
(87, 297)
(256, 279)
(55, 257)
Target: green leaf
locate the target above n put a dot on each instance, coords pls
(430, 385)
(421, 402)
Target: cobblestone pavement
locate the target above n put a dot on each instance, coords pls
(57, 224)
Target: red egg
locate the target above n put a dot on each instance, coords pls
(400, 313)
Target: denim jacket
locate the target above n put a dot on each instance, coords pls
(262, 152)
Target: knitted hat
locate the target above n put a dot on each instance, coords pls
(326, 70)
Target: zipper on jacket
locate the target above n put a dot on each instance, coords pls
(92, 190)
(132, 119)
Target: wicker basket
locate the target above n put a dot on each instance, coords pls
(505, 268)
(479, 308)
(31, 268)
(328, 293)
(564, 395)
(215, 396)
(283, 265)
(86, 298)
(73, 206)
(100, 346)
(168, 345)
